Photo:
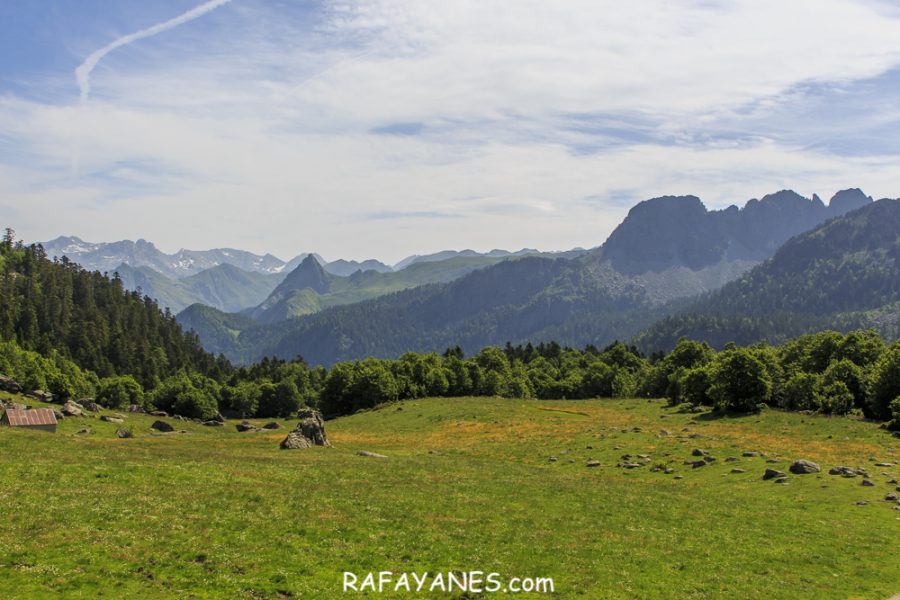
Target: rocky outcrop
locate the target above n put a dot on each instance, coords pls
(309, 432)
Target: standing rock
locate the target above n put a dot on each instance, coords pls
(804, 467)
(309, 432)
(136, 408)
(90, 405)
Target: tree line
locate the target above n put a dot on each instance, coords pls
(79, 334)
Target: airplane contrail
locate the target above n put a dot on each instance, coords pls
(83, 72)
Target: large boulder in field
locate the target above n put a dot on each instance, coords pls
(90, 405)
(804, 467)
(309, 432)
(162, 426)
(7, 384)
(42, 395)
(71, 409)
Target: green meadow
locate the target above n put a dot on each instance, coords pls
(468, 484)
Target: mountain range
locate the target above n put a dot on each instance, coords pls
(107, 256)
(236, 280)
(665, 252)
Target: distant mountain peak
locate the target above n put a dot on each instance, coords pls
(672, 231)
(308, 274)
(850, 199)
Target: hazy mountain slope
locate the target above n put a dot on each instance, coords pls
(309, 288)
(678, 230)
(218, 330)
(843, 274)
(225, 287)
(345, 268)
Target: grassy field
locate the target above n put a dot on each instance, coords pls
(468, 484)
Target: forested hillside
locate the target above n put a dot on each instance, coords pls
(55, 307)
(225, 287)
(845, 274)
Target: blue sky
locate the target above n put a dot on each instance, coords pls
(381, 128)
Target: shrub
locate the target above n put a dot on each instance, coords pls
(894, 425)
(117, 392)
(740, 381)
(836, 399)
(242, 398)
(279, 400)
(695, 386)
(802, 392)
(848, 373)
(193, 396)
(885, 385)
(195, 403)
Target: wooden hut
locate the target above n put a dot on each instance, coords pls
(35, 418)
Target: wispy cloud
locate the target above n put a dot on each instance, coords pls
(332, 127)
(83, 71)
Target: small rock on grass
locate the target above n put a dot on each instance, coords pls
(593, 463)
(368, 454)
(772, 474)
(890, 497)
(867, 483)
(750, 454)
(736, 471)
(804, 467)
(781, 480)
(123, 433)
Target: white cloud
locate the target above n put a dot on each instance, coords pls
(261, 135)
